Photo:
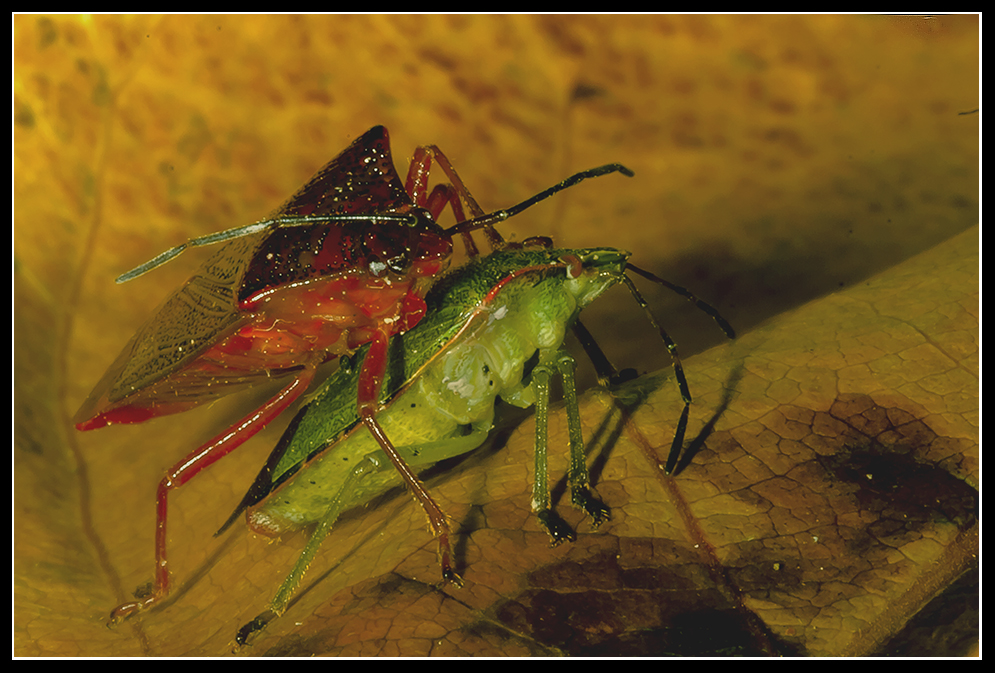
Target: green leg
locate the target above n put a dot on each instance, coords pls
(436, 451)
(557, 528)
(367, 466)
(580, 484)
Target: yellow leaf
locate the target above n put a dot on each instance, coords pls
(777, 159)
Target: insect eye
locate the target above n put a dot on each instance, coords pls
(399, 263)
(420, 219)
(574, 266)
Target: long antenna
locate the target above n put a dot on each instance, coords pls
(677, 445)
(248, 230)
(707, 308)
(502, 215)
(466, 226)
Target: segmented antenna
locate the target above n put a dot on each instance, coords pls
(502, 215)
(678, 444)
(684, 292)
(609, 375)
(682, 381)
(255, 228)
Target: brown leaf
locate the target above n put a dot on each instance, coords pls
(777, 159)
(831, 496)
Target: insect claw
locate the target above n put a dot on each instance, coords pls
(126, 610)
(256, 625)
(558, 529)
(450, 575)
(597, 510)
(600, 517)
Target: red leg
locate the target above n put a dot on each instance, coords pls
(437, 519)
(437, 200)
(416, 184)
(371, 378)
(455, 193)
(193, 464)
(372, 374)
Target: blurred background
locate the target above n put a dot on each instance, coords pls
(776, 159)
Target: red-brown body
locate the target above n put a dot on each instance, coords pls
(274, 302)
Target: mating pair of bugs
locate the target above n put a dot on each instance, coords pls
(352, 266)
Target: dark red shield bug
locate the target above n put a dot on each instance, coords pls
(345, 261)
